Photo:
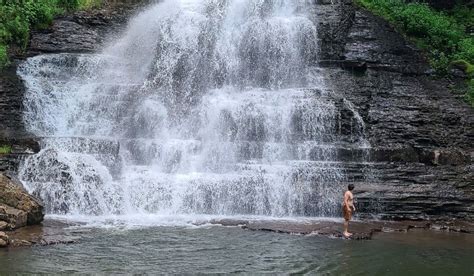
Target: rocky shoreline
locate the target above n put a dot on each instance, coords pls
(361, 229)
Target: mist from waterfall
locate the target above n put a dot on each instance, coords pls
(200, 107)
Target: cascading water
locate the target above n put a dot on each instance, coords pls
(201, 107)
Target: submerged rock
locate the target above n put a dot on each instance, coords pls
(17, 207)
(3, 225)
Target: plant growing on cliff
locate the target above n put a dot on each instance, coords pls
(443, 35)
(5, 149)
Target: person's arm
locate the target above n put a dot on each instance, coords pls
(352, 203)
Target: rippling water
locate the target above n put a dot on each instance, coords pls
(234, 250)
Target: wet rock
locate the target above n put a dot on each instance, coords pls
(453, 226)
(17, 207)
(362, 230)
(48, 233)
(19, 243)
(4, 240)
(11, 91)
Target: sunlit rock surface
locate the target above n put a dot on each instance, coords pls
(17, 207)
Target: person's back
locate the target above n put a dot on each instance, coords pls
(347, 209)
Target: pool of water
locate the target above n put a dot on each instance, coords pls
(217, 249)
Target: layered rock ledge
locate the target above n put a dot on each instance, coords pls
(421, 132)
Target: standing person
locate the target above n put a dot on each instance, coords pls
(347, 209)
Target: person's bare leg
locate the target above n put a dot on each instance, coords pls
(346, 225)
(346, 228)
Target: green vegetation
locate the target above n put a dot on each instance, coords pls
(79, 4)
(5, 149)
(18, 17)
(443, 35)
(3, 55)
(470, 92)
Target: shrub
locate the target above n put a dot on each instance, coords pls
(465, 50)
(3, 54)
(463, 16)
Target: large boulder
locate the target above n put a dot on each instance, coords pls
(17, 207)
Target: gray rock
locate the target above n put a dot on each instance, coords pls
(3, 225)
(65, 36)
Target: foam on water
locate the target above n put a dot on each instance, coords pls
(147, 220)
(200, 107)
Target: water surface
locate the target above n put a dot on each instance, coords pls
(216, 249)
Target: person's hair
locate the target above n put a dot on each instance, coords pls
(350, 187)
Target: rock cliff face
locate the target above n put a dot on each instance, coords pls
(421, 133)
(419, 165)
(84, 31)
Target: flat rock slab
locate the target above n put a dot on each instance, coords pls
(362, 230)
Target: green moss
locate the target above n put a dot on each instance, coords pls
(5, 149)
(464, 65)
(443, 35)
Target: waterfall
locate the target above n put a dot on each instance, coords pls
(200, 107)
